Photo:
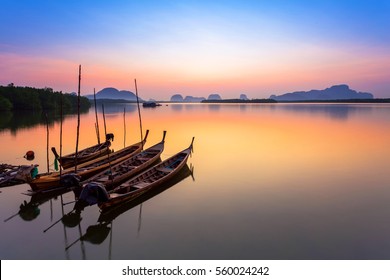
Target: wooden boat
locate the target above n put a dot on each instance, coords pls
(85, 170)
(150, 104)
(124, 170)
(109, 216)
(30, 210)
(84, 155)
(98, 232)
(148, 180)
(14, 174)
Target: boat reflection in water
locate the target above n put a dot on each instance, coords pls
(98, 233)
(29, 211)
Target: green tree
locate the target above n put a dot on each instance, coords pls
(27, 98)
(5, 104)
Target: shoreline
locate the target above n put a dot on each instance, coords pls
(375, 100)
(254, 101)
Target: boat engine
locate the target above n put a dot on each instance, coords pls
(70, 180)
(109, 136)
(93, 193)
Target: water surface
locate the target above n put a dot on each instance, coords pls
(268, 181)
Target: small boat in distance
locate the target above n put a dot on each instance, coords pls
(85, 155)
(150, 104)
(151, 179)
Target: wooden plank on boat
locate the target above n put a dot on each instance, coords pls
(129, 167)
(87, 169)
(146, 181)
(140, 185)
(164, 169)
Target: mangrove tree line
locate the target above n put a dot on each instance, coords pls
(28, 98)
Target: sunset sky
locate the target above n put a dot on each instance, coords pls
(196, 47)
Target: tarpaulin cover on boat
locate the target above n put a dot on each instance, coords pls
(93, 193)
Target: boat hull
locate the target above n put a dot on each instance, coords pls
(128, 168)
(86, 170)
(140, 184)
(68, 161)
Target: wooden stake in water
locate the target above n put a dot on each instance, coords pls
(56, 222)
(124, 127)
(96, 116)
(139, 111)
(47, 142)
(105, 133)
(139, 220)
(61, 117)
(104, 121)
(78, 122)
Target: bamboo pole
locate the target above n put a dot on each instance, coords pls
(14, 215)
(51, 210)
(56, 222)
(104, 121)
(64, 227)
(96, 116)
(139, 111)
(61, 119)
(105, 132)
(78, 122)
(110, 246)
(47, 142)
(139, 221)
(124, 127)
(83, 252)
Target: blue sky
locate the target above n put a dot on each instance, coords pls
(197, 47)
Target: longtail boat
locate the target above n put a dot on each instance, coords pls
(148, 180)
(124, 170)
(109, 216)
(98, 232)
(54, 180)
(84, 155)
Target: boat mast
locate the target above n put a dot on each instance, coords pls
(124, 127)
(78, 121)
(139, 111)
(96, 116)
(61, 116)
(47, 142)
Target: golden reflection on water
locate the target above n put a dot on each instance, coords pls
(259, 146)
(269, 177)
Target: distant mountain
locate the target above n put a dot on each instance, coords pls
(243, 97)
(214, 96)
(177, 98)
(193, 99)
(113, 93)
(337, 92)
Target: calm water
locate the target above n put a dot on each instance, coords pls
(285, 181)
